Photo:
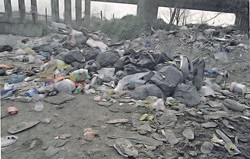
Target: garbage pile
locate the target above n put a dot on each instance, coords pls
(182, 94)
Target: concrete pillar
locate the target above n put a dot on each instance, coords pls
(21, 4)
(242, 19)
(148, 10)
(8, 10)
(55, 10)
(87, 12)
(67, 11)
(34, 10)
(78, 11)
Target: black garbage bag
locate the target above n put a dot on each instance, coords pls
(2, 71)
(142, 92)
(133, 69)
(107, 58)
(146, 61)
(5, 48)
(58, 51)
(73, 56)
(92, 66)
(161, 58)
(47, 48)
(187, 94)
(128, 52)
(161, 65)
(167, 78)
(90, 54)
(25, 40)
(78, 65)
(141, 59)
(119, 64)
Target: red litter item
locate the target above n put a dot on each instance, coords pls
(12, 110)
(83, 84)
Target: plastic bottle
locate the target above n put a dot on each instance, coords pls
(39, 106)
(239, 88)
(79, 89)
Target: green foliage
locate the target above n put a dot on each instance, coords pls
(197, 25)
(128, 27)
(190, 25)
(160, 24)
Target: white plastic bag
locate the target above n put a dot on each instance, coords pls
(125, 80)
(66, 86)
(159, 105)
(106, 73)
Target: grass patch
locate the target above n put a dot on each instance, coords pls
(128, 27)
(159, 24)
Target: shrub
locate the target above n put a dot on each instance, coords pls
(160, 24)
(128, 27)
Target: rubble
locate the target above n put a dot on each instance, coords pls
(165, 94)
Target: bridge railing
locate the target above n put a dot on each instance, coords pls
(8, 16)
(145, 8)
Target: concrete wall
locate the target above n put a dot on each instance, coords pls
(148, 10)
(24, 29)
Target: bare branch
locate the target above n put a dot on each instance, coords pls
(213, 17)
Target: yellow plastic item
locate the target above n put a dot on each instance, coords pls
(29, 51)
(147, 117)
(72, 77)
(111, 91)
(63, 66)
(148, 102)
(20, 45)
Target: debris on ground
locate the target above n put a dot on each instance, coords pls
(182, 93)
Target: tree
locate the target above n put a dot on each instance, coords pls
(177, 15)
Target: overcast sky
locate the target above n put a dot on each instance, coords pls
(120, 10)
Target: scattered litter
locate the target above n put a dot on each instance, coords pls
(125, 148)
(8, 140)
(89, 134)
(144, 85)
(115, 121)
(188, 133)
(22, 126)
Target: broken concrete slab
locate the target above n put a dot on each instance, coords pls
(135, 137)
(59, 99)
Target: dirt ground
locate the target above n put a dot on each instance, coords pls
(71, 118)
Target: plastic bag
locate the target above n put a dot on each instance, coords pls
(79, 75)
(106, 73)
(159, 105)
(125, 80)
(66, 86)
(167, 78)
(142, 92)
(187, 94)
